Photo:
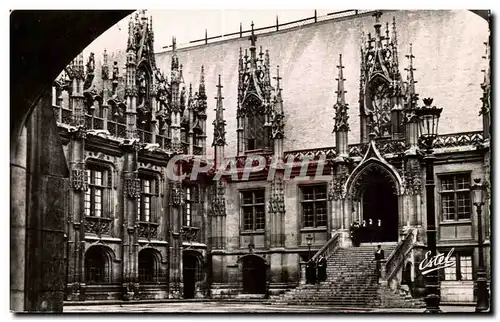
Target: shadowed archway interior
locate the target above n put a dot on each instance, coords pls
(254, 275)
(379, 205)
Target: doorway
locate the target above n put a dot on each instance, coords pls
(254, 275)
(190, 272)
(380, 210)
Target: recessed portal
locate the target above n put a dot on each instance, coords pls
(191, 274)
(380, 212)
(254, 275)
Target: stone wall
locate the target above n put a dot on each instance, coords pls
(448, 46)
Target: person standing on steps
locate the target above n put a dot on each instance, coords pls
(321, 269)
(379, 230)
(370, 230)
(363, 231)
(379, 255)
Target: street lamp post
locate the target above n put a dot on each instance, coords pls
(482, 304)
(309, 243)
(428, 126)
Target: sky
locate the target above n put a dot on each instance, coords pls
(188, 25)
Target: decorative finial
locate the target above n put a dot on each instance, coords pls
(219, 122)
(340, 81)
(201, 89)
(428, 102)
(377, 16)
(341, 117)
(278, 78)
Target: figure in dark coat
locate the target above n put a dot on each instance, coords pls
(311, 272)
(321, 269)
(355, 234)
(379, 255)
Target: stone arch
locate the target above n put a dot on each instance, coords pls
(352, 183)
(193, 273)
(374, 189)
(98, 264)
(149, 260)
(254, 272)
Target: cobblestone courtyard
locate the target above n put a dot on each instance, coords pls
(236, 307)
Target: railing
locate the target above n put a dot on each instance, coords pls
(145, 136)
(275, 27)
(390, 146)
(116, 129)
(67, 116)
(313, 154)
(164, 142)
(328, 249)
(242, 159)
(459, 139)
(396, 259)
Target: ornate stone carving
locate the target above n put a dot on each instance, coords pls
(98, 225)
(412, 178)
(176, 194)
(132, 187)
(341, 107)
(219, 199)
(278, 125)
(219, 122)
(380, 79)
(190, 233)
(148, 230)
(277, 199)
(79, 179)
(336, 189)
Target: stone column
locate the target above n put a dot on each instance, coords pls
(76, 232)
(42, 210)
(18, 193)
(176, 201)
(131, 190)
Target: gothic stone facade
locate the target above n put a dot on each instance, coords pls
(134, 232)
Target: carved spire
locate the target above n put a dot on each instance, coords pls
(130, 43)
(486, 84)
(278, 115)
(105, 67)
(278, 88)
(411, 95)
(253, 54)
(395, 61)
(201, 90)
(219, 122)
(341, 117)
(175, 59)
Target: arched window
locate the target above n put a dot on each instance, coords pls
(255, 131)
(97, 266)
(148, 266)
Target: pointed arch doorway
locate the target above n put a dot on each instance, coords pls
(377, 196)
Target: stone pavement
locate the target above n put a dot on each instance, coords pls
(236, 307)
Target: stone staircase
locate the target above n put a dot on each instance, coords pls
(351, 282)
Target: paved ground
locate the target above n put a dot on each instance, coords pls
(228, 307)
